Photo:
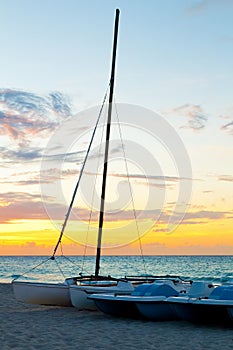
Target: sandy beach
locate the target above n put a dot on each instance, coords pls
(28, 327)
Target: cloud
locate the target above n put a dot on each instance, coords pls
(206, 214)
(155, 181)
(228, 178)
(196, 118)
(228, 128)
(22, 205)
(152, 177)
(38, 177)
(204, 5)
(26, 119)
(194, 218)
(24, 114)
(198, 7)
(32, 154)
(11, 156)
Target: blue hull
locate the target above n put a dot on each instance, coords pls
(157, 311)
(118, 308)
(209, 314)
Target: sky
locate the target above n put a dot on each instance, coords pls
(175, 60)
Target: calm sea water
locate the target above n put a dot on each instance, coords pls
(214, 268)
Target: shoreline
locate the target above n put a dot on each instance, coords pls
(25, 326)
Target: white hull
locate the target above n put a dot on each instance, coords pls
(42, 293)
(79, 294)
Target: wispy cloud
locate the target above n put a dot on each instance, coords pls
(206, 214)
(195, 116)
(33, 154)
(228, 178)
(49, 176)
(23, 205)
(204, 5)
(228, 128)
(26, 120)
(152, 177)
(198, 217)
(12, 156)
(23, 114)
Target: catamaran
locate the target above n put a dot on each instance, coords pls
(80, 291)
(74, 290)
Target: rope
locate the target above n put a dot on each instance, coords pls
(131, 192)
(80, 176)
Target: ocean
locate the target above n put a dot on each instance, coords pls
(40, 268)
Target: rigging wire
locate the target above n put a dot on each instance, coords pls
(33, 268)
(130, 189)
(93, 195)
(74, 263)
(79, 178)
(59, 268)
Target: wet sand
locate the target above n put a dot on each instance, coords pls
(25, 326)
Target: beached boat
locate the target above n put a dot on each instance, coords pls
(148, 300)
(80, 291)
(58, 293)
(74, 290)
(216, 307)
(42, 293)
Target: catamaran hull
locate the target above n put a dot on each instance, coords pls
(42, 293)
(79, 297)
(79, 294)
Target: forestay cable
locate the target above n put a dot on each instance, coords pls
(79, 179)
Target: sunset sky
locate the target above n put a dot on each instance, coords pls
(174, 59)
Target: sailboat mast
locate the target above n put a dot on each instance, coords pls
(105, 170)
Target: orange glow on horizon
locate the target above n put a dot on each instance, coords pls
(34, 237)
